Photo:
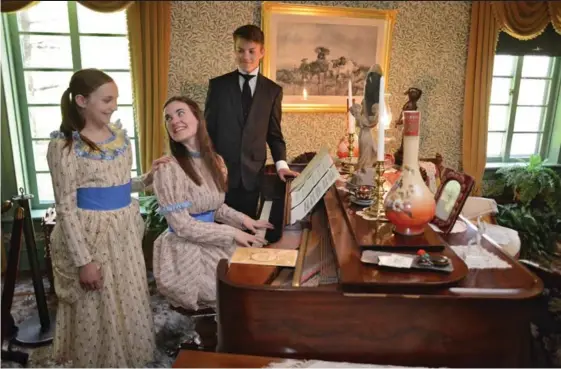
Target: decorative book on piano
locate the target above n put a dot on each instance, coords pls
(265, 256)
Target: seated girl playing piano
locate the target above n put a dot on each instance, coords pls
(190, 190)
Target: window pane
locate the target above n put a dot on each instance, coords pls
(40, 155)
(498, 117)
(124, 83)
(528, 119)
(46, 87)
(44, 120)
(524, 144)
(39, 51)
(504, 65)
(113, 55)
(536, 66)
(500, 90)
(494, 144)
(46, 16)
(133, 149)
(45, 188)
(125, 114)
(90, 21)
(533, 92)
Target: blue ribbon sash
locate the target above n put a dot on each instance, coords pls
(207, 216)
(104, 198)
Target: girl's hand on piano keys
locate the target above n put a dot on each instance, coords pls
(255, 225)
(248, 240)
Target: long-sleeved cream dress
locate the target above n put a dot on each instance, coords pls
(185, 257)
(111, 327)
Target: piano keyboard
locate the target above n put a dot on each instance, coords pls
(265, 214)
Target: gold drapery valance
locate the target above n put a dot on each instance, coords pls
(8, 6)
(525, 20)
(98, 6)
(106, 6)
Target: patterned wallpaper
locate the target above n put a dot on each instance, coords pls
(429, 51)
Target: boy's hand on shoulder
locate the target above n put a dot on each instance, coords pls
(284, 173)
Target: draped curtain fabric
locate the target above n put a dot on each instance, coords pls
(523, 20)
(98, 6)
(149, 24)
(479, 75)
(8, 6)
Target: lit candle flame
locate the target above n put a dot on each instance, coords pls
(305, 94)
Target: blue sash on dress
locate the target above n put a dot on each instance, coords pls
(207, 216)
(104, 198)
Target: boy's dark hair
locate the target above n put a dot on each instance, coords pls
(249, 32)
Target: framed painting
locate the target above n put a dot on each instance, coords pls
(314, 51)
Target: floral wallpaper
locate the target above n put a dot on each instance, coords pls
(429, 51)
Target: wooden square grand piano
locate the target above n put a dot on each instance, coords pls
(335, 308)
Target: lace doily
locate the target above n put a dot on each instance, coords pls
(459, 227)
(476, 257)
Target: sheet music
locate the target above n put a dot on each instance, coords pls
(309, 170)
(321, 175)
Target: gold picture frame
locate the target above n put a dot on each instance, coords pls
(307, 30)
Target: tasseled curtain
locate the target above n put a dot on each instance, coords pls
(523, 20)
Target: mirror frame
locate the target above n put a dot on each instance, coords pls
(466, 185)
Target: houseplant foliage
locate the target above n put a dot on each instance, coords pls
(155, 225)
(529, 201)
(155, 222)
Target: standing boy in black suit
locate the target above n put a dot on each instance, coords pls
(243, 115)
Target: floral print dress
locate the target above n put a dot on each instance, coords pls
(186, 255)
(111, 327)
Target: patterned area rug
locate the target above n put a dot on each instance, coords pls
(172, 328)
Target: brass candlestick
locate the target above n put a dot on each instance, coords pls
(376, 209)
(350, 167)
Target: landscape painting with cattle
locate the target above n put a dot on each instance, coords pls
(314, 51)
(324, 57)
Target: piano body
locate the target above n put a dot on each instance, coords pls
(338, 309)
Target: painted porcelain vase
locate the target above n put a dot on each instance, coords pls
(410, 204)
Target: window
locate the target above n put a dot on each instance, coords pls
(524, 95)
(47, 43)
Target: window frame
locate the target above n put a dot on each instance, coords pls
(548, 113)
(14, 58)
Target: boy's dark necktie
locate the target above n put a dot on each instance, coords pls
(246, 95)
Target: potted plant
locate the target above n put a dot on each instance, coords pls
(155, 225)
(529, 201)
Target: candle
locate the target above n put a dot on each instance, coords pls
(350, 117)
(381, 115)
